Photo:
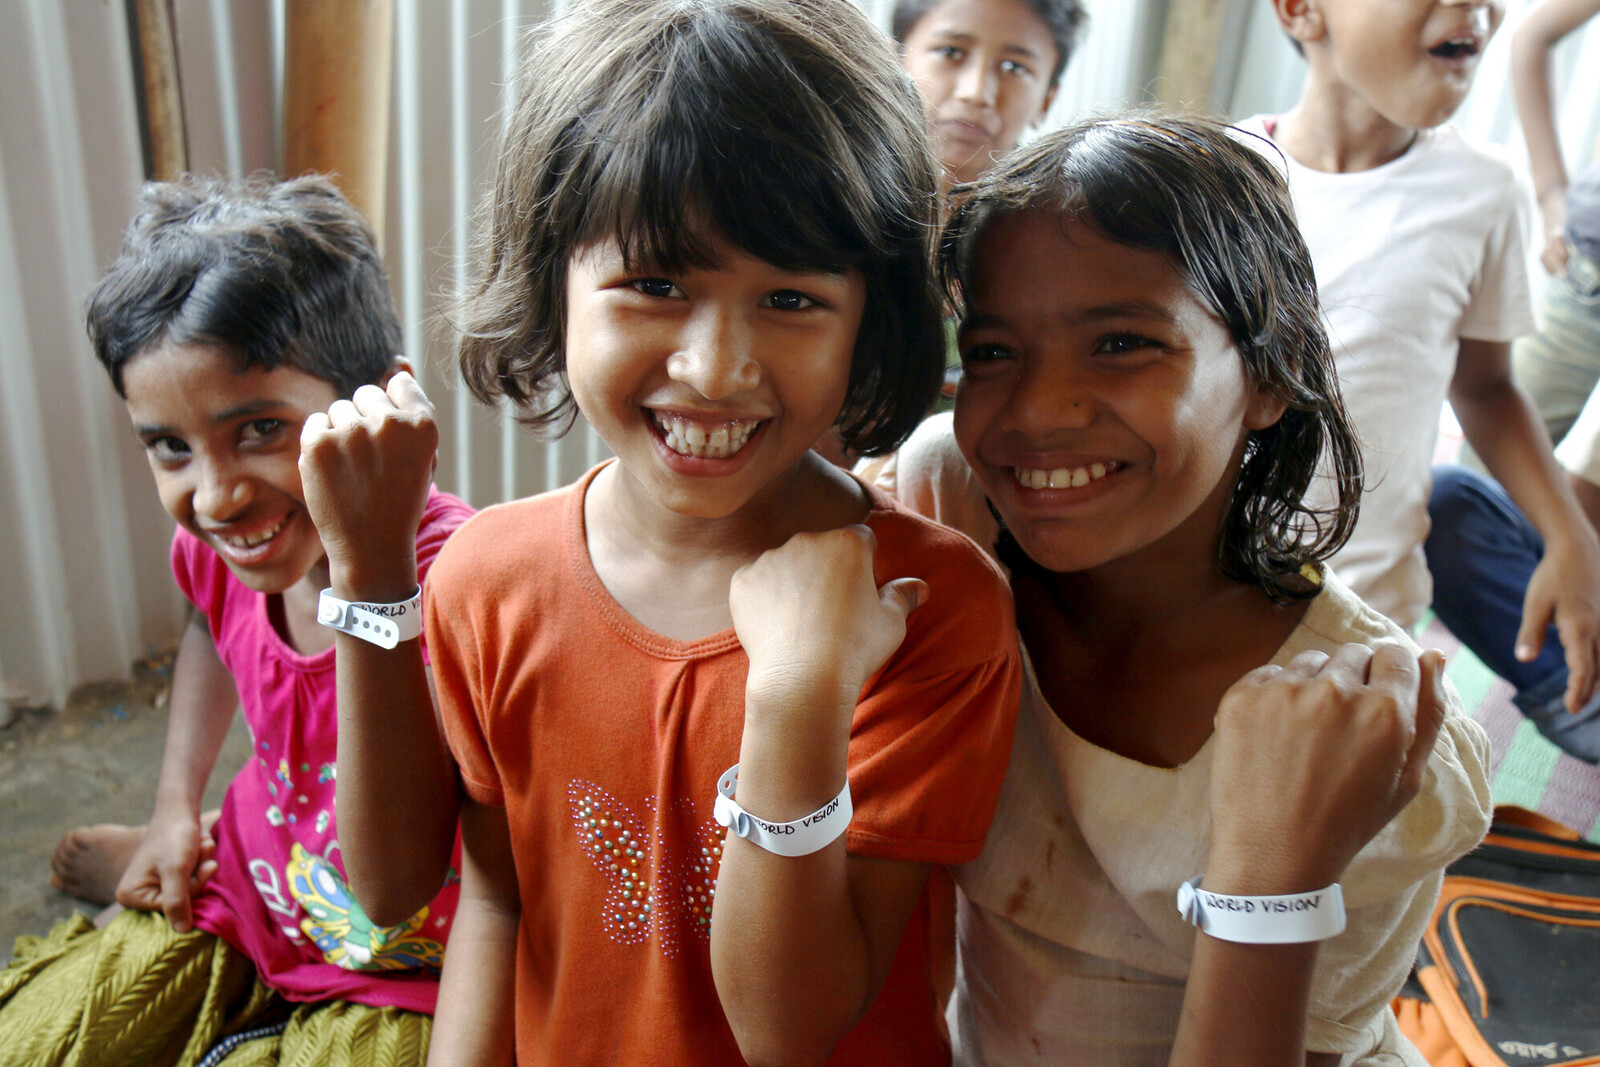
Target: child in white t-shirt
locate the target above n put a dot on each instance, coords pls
(1418, 248)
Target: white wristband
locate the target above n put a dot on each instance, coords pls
(382, 624)
(798, 838)
(1289, 919)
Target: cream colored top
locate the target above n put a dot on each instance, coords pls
(1579, 451)
(1072, 949)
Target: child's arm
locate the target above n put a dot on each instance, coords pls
(366, 466)
(160, 874)
(473, 1023)
(801, 945)
(1541, 28)
(1311, 762)
(1588, 497)
(1502, 425)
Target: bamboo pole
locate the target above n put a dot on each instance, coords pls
(1189, 52)
(159, 95)
(338, 56)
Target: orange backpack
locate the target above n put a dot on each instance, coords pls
(1508, 974)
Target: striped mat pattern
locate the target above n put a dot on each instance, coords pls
(1525, 769)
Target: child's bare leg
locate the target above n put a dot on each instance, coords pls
(89, 861)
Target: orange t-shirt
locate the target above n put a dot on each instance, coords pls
(604, 741)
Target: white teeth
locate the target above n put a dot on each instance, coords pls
(252, 540)
(703, 441)
(1060, 477)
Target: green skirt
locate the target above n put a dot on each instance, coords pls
(137, 992)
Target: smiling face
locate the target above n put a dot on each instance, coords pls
(983, 68)
(1103, 407)
(709, 385)
(224, 446)
(1410, 61)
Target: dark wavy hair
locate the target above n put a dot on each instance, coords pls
(1066, 20)
(273, 273)
(786, 127)
(1218, 209)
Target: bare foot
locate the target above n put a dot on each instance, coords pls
(89, 861)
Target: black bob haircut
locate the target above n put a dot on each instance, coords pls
(1065, 18)
(273, 273)
(1219, 211)
(785, 127)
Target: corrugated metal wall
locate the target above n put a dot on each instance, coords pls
(77, 526)
(82, 537)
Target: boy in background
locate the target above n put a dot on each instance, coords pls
(1418, 250)
(987, 71)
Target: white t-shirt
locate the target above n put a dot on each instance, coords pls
(1072, 950)
(1410, 258)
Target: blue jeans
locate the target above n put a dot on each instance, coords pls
(1482, 551)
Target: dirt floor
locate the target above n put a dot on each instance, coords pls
(94, 761)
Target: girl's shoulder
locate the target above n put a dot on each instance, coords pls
(1338, 616)
(206, 582)
(929, 477)
(511, 542)
(968, 617)
(905, 533)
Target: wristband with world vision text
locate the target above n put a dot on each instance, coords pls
(1287, 919)
(800, 837)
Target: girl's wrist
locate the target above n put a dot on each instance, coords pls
(790, 696)
(789, 772)
(374, 583)
(175, 808)
(1555, 193)
(1269, 872)
(1571, 537)
(780, 792)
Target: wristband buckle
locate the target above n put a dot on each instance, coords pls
(384, 625)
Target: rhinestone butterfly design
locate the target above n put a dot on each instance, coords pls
(651, 889)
